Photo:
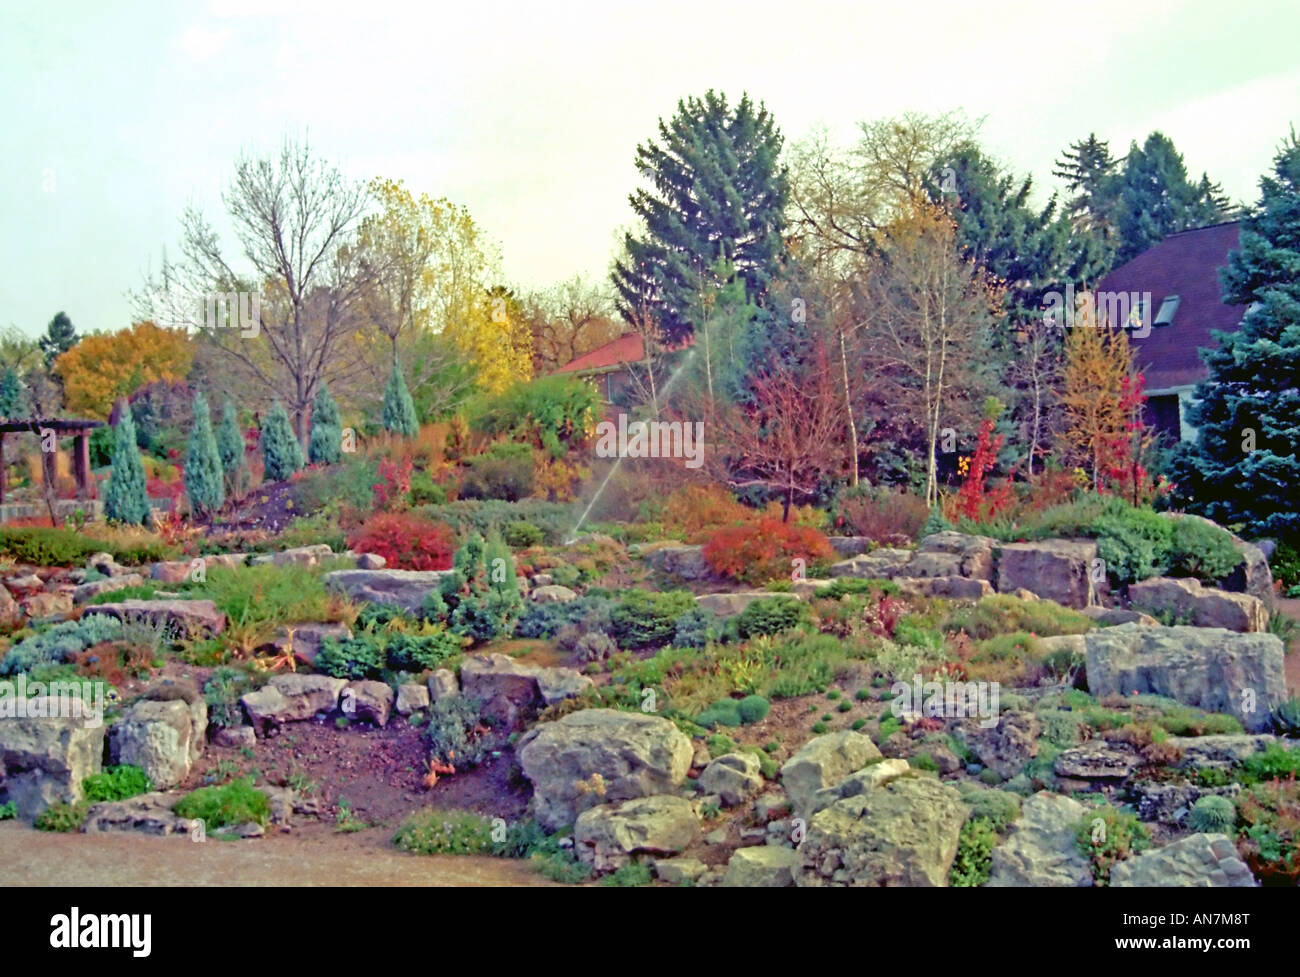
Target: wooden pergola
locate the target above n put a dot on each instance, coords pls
(81, 452)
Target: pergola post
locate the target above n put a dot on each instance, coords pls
(81, 464)
(4, 478)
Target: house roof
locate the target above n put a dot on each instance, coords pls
(1187, 265)
(617, 353)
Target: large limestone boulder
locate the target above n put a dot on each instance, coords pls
(86, 591)
(1204, 607)
(1041, 850)
(600, 756)
(824, 761)
(1006, 746)
(510, 690)
(1056, 569)
(902, 833)
(291, 698)
(304, 638)
(192, 617)
(163, 738)
(686, 562)
(734, 777)
(308, 556)
(952, 587)
(605, 837)
(729, 605)
(552, 594)
(1096, 760)
(405, 587)
(367, 702)
(1211, 668)
(45, 757)
(881, 563)
(148, 813)
(954, 554)
(762, 867)
(859, 782)
(1197, 861)
(848, 547)
(1220, 750)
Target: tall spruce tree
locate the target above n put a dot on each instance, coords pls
(204, 478)
(1244, 467)
(125, 499)
(326, 445)
(60, 336)
(719, 191)
(281, 452)
(230, 448)
(399, 409)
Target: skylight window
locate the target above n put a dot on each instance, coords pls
(1165, 317)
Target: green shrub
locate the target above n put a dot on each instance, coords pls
(753, 708)
(281, 452)
(8, 811)
(554, 412)
(230, 449)
(1003, 613)
(1286, 717)
(628, 874)
(522, 534)
(222, 692)
(974, 858)
(55, 644)
(643, 619)
(356, 658)
(445, 833)
(125, 500)
(62, 816)
(696, 628)
(456, 732)
(420, 652)
(771, 615)
(205, 483)
(237, 802)
(1213, 815)
(425, 491)
(842, 586)
(116, 784)
(398, 413)
(503, 471)
(348, 484)
(562, 867)
(486, 516)
(482, 592)
(725, 712)
(998, 807)
(1201, 550)
(1275, 762)
(45, 547)
(325, 447)
(1106, 836)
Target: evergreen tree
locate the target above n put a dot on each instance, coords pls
(1243, 467)
(1089, 172)
(204, 478)
(125, 500)
(719, 192)
(281, 452)
(326, 445)
(60, 336)
(399, 410)
(481, 594)
(230, 448)
(13, 399)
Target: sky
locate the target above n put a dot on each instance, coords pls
(116, 116)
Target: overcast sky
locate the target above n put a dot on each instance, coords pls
(115, 115)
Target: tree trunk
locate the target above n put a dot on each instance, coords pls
(848, 411)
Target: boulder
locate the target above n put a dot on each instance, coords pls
(974, 555)
(443, 683)
(848, 547)
(606, 836)
(304, 638)
(27, 581)
(225, 561)
(952, 588)
(1197, 861)
(510, 690)
(308, 556)
(106, 564)
(1041, 849)
(881, 563)
(163, 738)
(290, 698)
(405, 587)
(762, 867)
(557, 684)
(597, 756)
(552, 594)
(1211, 668)
(868, 778)
(411, 697)
(148, 813)
(1221, 750)
(47, 604)
(734, 777)
(686, 562)
(1006, 747)
(904, 832)
(1106, 617)
(370, 561)
(44, 757)
(1188, 602)
(171, 571)
(1252, 575)
(679, 871)
(823, 762)
(1056, 569)
(190, 617)
(86, 591)
(729, 605)
(805, 589)
(367, 702)
(1096, 760)
(11, 611)
(1169, 804)
(234, 737)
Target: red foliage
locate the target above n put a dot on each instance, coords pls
(156, 488)
(975, 501)
(883, 618)
(764, 550)
(394, 485)
(1122, 468)
(406, 541)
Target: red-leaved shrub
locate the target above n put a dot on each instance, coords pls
(765, 550)
(406, 541)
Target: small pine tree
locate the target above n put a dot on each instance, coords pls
(281, 452)
(230, 448)
(399, 408)
(125, 500)
(482, 592)
(13, 401)
(204, 478)
(326, 444)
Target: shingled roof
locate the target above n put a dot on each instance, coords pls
(618, 353)
(1187, 265)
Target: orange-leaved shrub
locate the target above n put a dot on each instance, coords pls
(696, 511)
(765, 550)
(406, 541)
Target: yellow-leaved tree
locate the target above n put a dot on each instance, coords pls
(105, 366)
(1098, 361)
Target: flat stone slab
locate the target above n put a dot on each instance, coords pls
(1198, 861)
(407, 588)
(189, 616)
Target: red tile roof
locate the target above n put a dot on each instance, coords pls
(1185, 264)
(619, 352)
